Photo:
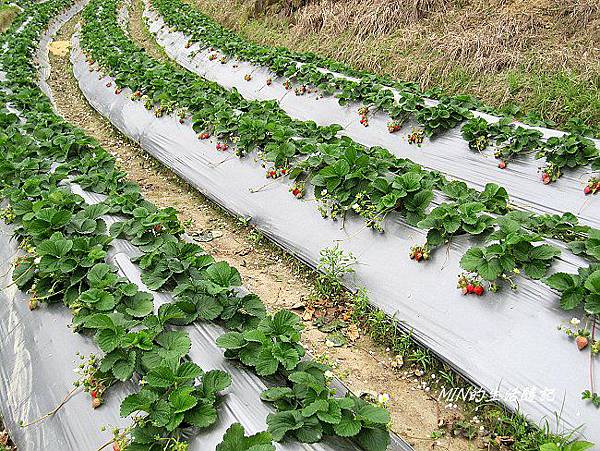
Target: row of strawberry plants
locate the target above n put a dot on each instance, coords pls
(334, 167)
(204, 290)
(561, 153)
(346, 176)
(65, 247)
(567, 152)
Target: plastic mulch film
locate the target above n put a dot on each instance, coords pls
(448, 153)
(506, 343)
(38, 353)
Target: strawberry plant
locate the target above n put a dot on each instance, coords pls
(147, 224)
(210, 296)
(271, 347)
(235, 440)
(520, 141)
(407, 104)
(578, 289)
(594, 398)
(478, 133)
(171, 399)
(308, 410)
(513, 252)
(589, 246)
(568, 151)
(171, 260)
(563, 227)
(447, 114)
(448, 220)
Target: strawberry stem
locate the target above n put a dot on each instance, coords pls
(52, 412)
(592, 356)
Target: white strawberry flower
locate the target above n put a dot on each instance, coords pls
(575, 321)
(37, 260)
(383, 398)
(328, 374)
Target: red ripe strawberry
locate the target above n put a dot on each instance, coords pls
(224, 147)
(418, 256)
(284, 171)
(587, 189)
(478, 290)
(218, 146)
(93, 393)
(295, 192)
(116, 447)
(582, 342)
(502, 165)
(546, 179)
(470, 288)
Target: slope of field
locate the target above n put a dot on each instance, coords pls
(539, 60)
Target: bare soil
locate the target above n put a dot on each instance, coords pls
(280, 280)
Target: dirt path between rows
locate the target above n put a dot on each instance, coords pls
(280, 280)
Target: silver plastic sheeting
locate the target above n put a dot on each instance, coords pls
(506, 343)
(448, 153)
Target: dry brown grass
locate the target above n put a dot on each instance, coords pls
(580, 12)
(7, 14)
(364, 18)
